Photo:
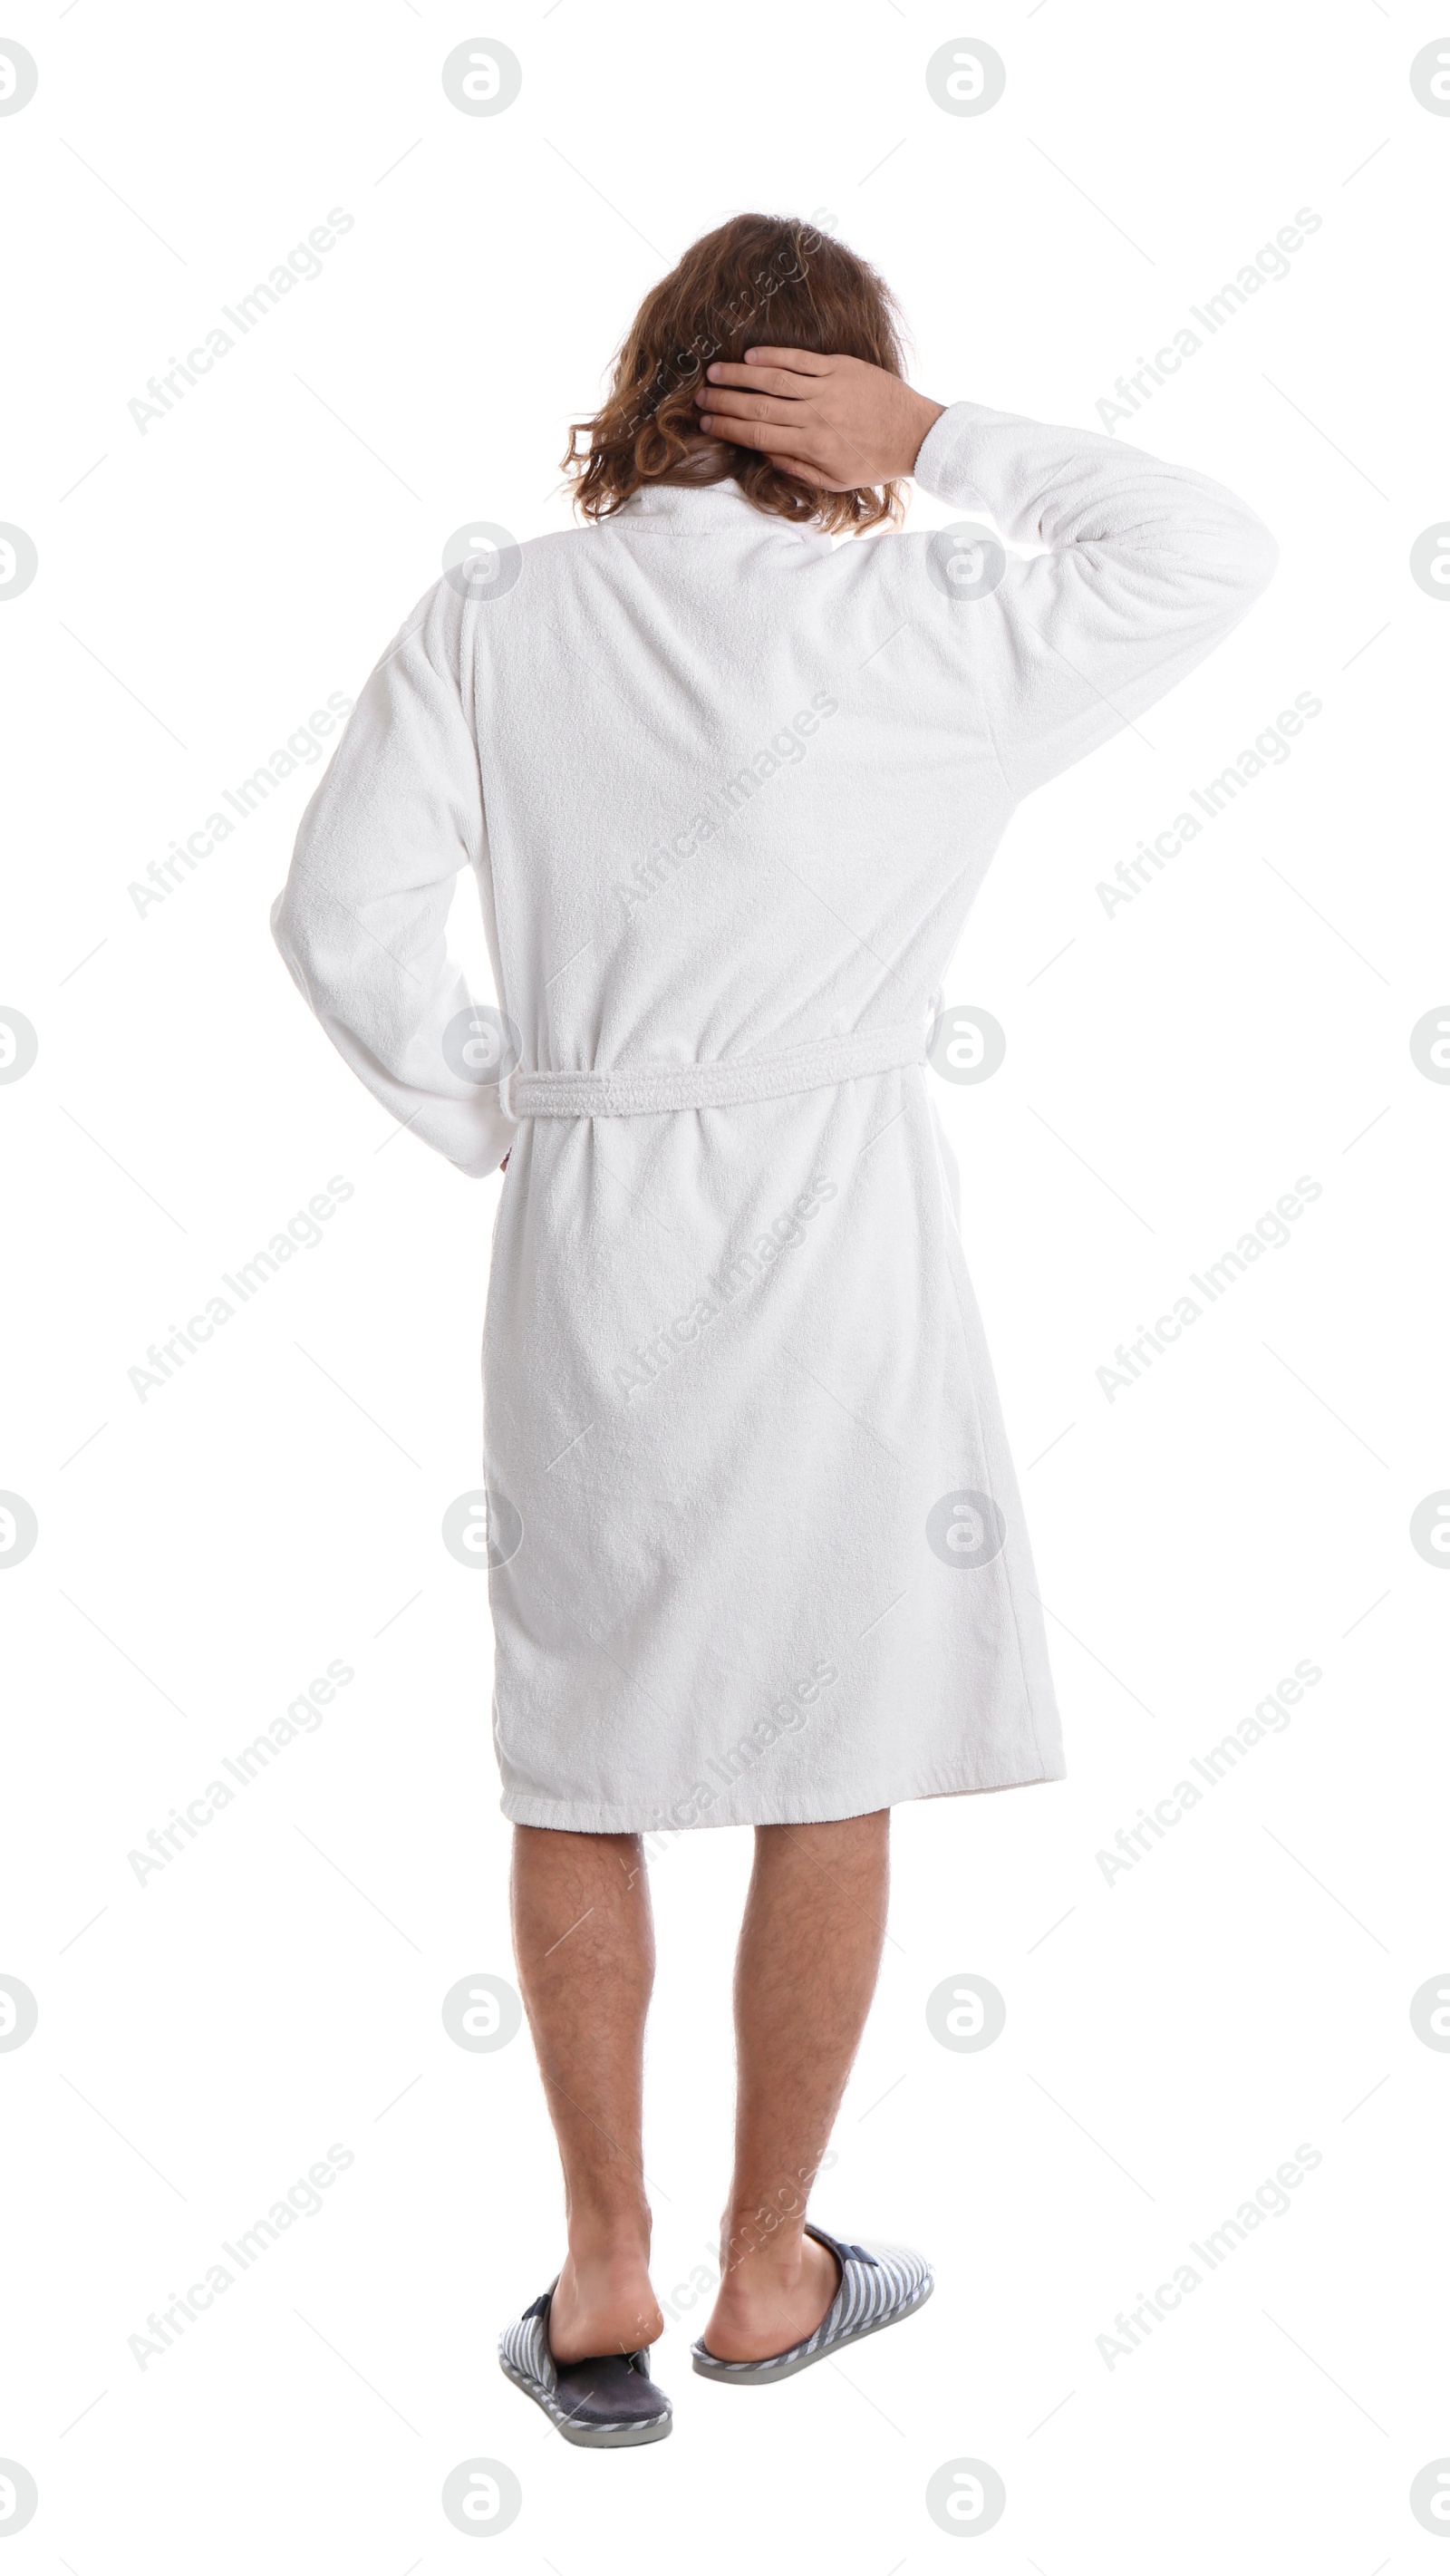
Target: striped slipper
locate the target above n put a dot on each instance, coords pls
(609, 2403)
(879, 2285)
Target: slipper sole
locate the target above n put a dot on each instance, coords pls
(757, 2374)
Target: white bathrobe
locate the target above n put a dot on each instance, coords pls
(757, 1553)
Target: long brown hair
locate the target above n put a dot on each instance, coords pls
(758, 281)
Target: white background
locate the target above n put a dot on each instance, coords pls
(1171, 2037)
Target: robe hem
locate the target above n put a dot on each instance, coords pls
(577, 1816)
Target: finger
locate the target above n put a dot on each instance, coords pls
(803, 362)
(742, 406)
(763, 380)
(752, 433)
(776, 428)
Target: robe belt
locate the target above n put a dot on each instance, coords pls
(726, 1082)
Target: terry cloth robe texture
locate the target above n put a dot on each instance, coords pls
(757, 1553)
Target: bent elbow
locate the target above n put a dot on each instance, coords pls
(302, 952)
(285, 929)
(1230, 564)
(1258, 555)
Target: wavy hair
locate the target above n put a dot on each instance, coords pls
(759, 280)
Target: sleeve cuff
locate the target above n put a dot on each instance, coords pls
(942, 460)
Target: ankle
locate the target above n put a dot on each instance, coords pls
(609, 2241)
(750, 2260)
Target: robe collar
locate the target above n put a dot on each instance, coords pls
(709, 507)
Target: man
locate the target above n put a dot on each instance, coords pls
(757, 1552)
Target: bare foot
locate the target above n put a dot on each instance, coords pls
(603, 2304)
(772, 2300)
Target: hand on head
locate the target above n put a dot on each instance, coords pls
(836, 423)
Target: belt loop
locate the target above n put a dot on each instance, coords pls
(506, 1095)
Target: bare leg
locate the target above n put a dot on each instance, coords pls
(805, 1971)
(584, 1945)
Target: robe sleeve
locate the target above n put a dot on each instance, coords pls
(362, 920)
(1148, 566)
